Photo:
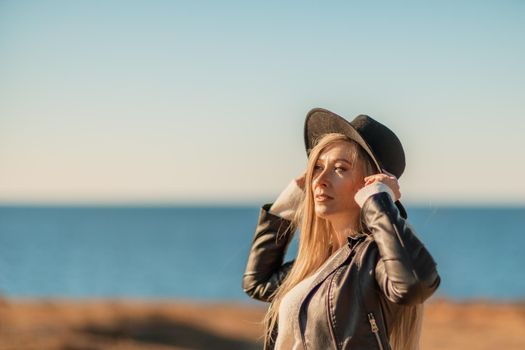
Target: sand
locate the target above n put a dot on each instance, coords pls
(163, 325)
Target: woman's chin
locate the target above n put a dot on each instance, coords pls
(331, 213)
(323, 211)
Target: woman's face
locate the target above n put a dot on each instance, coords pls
(335, 181)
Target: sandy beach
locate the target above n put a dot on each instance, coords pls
(163, 325)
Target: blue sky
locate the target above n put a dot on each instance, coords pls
(194, 101)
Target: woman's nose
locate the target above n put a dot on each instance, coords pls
(321, 180)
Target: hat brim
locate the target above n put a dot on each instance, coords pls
(320, 122)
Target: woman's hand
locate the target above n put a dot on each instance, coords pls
(388, 179)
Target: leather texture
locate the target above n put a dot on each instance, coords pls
(377, 272)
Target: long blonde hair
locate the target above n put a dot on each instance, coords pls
(316, 245)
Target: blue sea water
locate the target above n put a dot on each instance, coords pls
(200, 252)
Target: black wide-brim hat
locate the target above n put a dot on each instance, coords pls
(379, 142)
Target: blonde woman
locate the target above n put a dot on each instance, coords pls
(361, 274)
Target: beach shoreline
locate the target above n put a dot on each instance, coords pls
(64, 324)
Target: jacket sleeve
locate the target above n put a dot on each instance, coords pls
(406, 272)
(265, 270)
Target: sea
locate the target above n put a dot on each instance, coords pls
(200, 252)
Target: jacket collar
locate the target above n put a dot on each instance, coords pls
(353, 240)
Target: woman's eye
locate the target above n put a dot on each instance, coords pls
(317, 167)
(340, 169)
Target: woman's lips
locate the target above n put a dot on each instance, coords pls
(322, 198)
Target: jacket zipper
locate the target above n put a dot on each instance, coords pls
(375, 329)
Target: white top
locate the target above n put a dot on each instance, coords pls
(288, 334)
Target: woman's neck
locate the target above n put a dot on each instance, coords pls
(342, 231)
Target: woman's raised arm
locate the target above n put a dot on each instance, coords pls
(406, 272)
(265, 270)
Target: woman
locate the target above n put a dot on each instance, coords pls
(361, 274)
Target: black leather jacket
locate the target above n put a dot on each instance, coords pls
(355, 299)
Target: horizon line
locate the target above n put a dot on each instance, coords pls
(240, 203)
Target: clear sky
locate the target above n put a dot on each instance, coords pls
(196, 101)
